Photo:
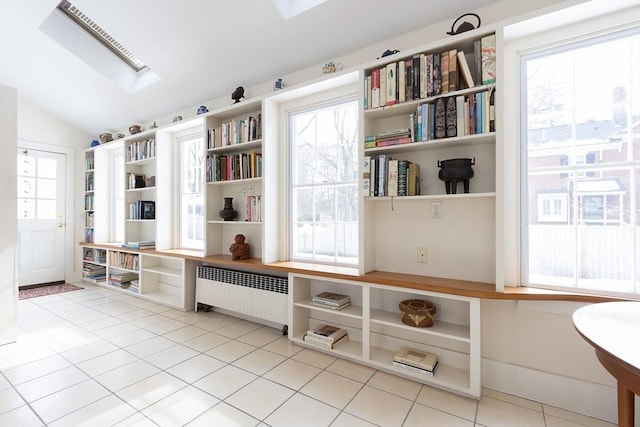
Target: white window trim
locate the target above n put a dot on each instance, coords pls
(585, 20)
(294, 104)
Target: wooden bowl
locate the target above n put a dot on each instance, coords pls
(418, 312)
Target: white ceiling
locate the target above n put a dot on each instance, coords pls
(200, 49)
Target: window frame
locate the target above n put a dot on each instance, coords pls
(309, 103)
(513, 269)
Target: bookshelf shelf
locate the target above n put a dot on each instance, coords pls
(235, 148)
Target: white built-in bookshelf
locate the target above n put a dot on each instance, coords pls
(376, 331)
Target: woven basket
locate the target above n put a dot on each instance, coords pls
(418, 312)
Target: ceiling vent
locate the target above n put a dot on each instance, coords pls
(77, 33)
(99, 34)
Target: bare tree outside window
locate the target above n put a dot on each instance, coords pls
(324, 184)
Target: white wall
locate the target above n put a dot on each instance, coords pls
(8, 217)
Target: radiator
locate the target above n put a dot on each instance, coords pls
(257, 296)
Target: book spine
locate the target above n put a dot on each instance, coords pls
(402, 82)
(414, 368)
(383, 86)
(322, 338)
(366, 176)
(318, 343)
(488, 46)
(453, 70)
(392, 178)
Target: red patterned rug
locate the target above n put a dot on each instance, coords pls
(41, 291)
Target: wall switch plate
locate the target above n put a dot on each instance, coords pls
(436, 209)
(423, 255)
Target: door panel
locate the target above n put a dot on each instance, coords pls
(41, 216)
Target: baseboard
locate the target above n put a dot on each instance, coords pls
(587, 398)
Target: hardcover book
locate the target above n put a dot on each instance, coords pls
(465, 70)
(453, 70)
(313, 340)
(327, 333)
(451, 117)
(392, 179)
(331, 298)
(488, 47)
(392, 84)
(444, 72)
(416, 358)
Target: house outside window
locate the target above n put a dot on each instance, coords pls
(580, 169)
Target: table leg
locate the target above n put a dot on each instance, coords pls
(625, 406)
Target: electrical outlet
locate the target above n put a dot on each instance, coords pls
(244, 190)
(436, 209)
(251, 191)
(423, 255)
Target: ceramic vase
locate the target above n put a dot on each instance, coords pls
(228, 213)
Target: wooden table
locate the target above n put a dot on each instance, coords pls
(613, 329)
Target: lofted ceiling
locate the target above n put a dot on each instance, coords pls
(200, 49)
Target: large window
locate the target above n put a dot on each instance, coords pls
(324, 183)
(191, 192)
(581, 165)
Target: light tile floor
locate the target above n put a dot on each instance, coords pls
(98, 357)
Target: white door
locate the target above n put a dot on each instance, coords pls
(41, 216)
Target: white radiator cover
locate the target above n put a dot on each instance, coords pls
(257, 296)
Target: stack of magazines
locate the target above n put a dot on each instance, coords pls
(417, 360)
(325, 336)
(331, 300)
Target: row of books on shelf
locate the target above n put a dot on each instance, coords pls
(88, 202)
(145, 244)
(384, 176)
(254, 208)
(95, 255)
(89, 218)
(124, 260)
(454, 116)
(142, 209)
(89, 161)
(140, 150)
(88, 182)
(139, 180)
(331, 300)
(236, 131)
(234, 166)
(431, 74)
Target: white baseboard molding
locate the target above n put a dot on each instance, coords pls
(584, 397)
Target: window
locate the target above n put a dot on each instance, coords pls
(324, 183)
(581, 165)
(191, 191)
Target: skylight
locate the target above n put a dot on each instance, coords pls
(290, 8)
(101, 35)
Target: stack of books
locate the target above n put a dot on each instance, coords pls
(140, 245)
(416, 360)
(331, 300)
(325, 336)
(122, 280)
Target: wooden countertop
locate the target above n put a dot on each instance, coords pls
(411, 281)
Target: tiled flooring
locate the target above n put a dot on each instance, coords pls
(97, 357)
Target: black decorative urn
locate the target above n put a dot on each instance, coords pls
(228, 213)
(453, 171)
